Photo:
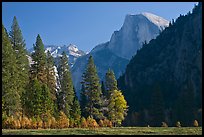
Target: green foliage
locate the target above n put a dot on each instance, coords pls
(156, 107)
(83, 101)
(38, 68)
(10, 93)
(51, 79)
(110, 82)
(66, 85)
(93, 90)
(75, 112)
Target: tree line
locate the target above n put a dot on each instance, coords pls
(41, 95)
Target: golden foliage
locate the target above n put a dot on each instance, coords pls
(195, 123)
(84, 123)
(63, 121)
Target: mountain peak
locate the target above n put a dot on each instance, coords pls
(157, 20)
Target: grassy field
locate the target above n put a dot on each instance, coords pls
(108, 131)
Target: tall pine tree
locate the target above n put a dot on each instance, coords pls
(83, 101)
(157, 106)
(10, 94)
(75, 112)
(38, 68)
(92, 90)
(66, 85)
(19, 46)
(110, 82)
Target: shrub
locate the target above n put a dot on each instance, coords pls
(4, 120)
(195, 123)
(34, 123)
(164, 124)
(26, 123)
(92, 122)
(63, 121)
(71, 122)
(39, 123)
(178, 124)
(84, 123)
(107, 123)
(100, 123)
(53, 123)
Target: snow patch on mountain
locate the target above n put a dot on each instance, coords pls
(159, 21)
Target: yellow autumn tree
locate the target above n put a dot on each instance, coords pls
(117, 107)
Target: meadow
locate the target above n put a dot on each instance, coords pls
(108, 131)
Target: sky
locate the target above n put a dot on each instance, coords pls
(85, 24)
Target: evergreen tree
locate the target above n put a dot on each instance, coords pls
(10, 94)
(47, 101)
(51, 81)
(103, 90)
(110, 82)
(117, 107)
(66, 85)
(51, 78)
(34, 100)
(92, 90)
(19, 46)
(83, 101)
(157, 107)
(38, 68)
(75, 109)
(184, 109)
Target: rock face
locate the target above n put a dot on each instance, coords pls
(171, 59)
(116, 53)
(136, 30)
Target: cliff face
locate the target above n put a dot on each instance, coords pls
(116, 53)
(171, 59)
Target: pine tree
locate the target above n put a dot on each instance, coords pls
(52, 80)
(157, 107)
(38, 69)
(66, 85)
(10, 95)
(75, 112)
(34, 101)
(47, 101)
(18, 44)
(184, 109)
(83, 101)
(110, 82)
(103, 90)
(117, 107)
(92, 90)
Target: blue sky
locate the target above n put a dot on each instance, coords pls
(85, 24)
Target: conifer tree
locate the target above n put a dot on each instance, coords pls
(110, 82)
(38, 69)
(92, 90)
(47, 101)
(66, 85)
(10, 94)
(83, 101)
(34, 100)
(75, 109)
(103, 90)
(52, 80)
(157, 107)
(19, 46)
